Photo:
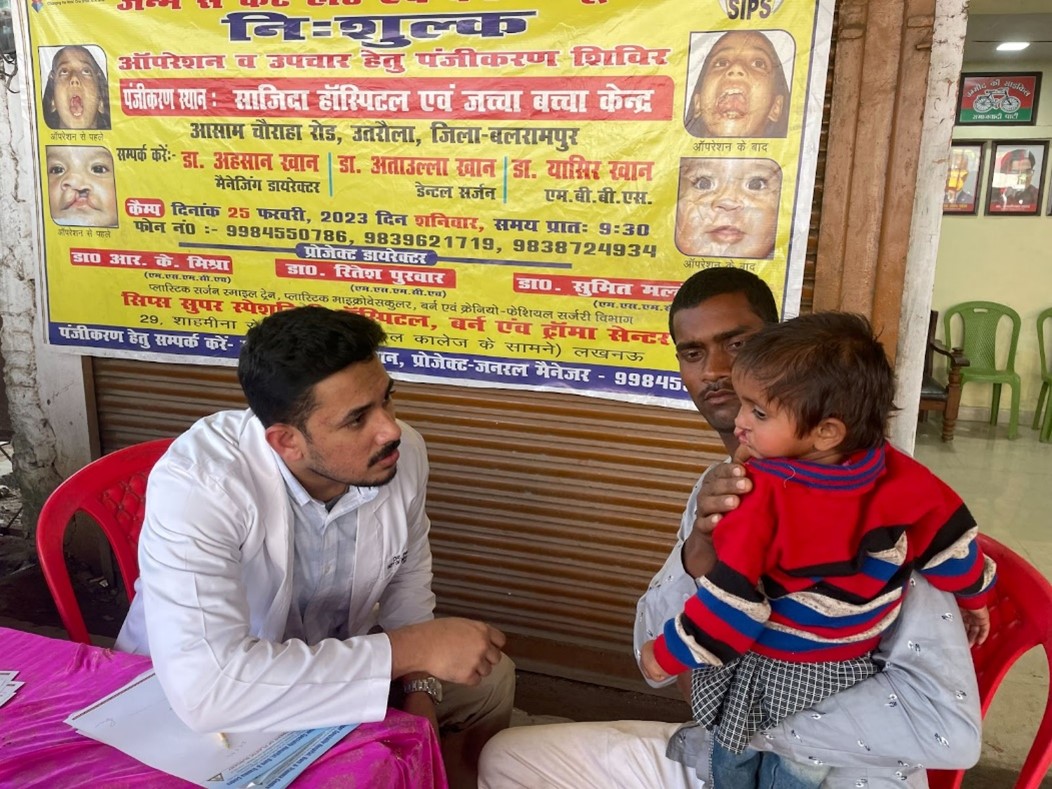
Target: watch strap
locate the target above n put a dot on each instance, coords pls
(429, 685)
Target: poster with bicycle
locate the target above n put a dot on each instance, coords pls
(1001, 99)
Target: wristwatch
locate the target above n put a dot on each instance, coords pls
(429, 685)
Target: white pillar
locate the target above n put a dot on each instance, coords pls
(940, 107)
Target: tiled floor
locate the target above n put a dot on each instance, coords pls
(1008, 487)
(1006, 484)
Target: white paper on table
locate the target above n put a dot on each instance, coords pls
(138, 720)
(8, 686)
(6, 695)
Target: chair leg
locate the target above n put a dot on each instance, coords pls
(995, 404)
(1040, 405)
(953, 402)
(1045, 436)
(948, 425)
(1013, 415)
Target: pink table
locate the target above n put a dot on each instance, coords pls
(38, 750)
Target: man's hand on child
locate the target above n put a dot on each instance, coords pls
(976, 624)
(648, 663)
(720, 493)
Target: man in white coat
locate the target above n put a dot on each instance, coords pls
(285, 566)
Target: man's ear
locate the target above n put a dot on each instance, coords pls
(776, 108)
(287, 441)
(829, 434)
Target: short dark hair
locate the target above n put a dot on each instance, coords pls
(710, 282)
(825, 365)
(287, 353)
(1017, 155)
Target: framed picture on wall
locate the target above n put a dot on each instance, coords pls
(998, 99)
(1017, 176)
(961, 195)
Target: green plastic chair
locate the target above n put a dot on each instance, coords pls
(979, 322)
(1043, 400)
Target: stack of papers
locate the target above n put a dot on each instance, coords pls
(138, 720)
(8, 686)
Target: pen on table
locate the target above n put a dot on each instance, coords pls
(223, 739)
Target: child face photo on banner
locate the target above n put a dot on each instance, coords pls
(728, 207)
(740, 84)
(80, 185)
(76, 93)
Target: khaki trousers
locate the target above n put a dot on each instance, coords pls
(469, 716)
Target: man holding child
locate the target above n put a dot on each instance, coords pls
(919, 711)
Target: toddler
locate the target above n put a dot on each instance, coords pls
(811, 568)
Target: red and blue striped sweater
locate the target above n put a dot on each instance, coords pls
(833, 547)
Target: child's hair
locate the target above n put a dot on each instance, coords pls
(825, 365)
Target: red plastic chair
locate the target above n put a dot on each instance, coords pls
(1021, 619)
(112, 491)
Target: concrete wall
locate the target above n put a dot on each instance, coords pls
(45, 388)
(1007, 259)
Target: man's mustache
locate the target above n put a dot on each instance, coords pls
(385, 452)
(723, 385)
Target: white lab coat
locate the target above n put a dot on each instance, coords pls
(215, 585)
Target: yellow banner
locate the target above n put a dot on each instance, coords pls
(515, 190)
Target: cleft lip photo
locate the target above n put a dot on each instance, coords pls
(81, 187)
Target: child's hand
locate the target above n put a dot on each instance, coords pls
(651, 668)
(976, 624)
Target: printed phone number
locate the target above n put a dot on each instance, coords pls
(280, 233)
(614, 249)
(429, 241)
(648, 381)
